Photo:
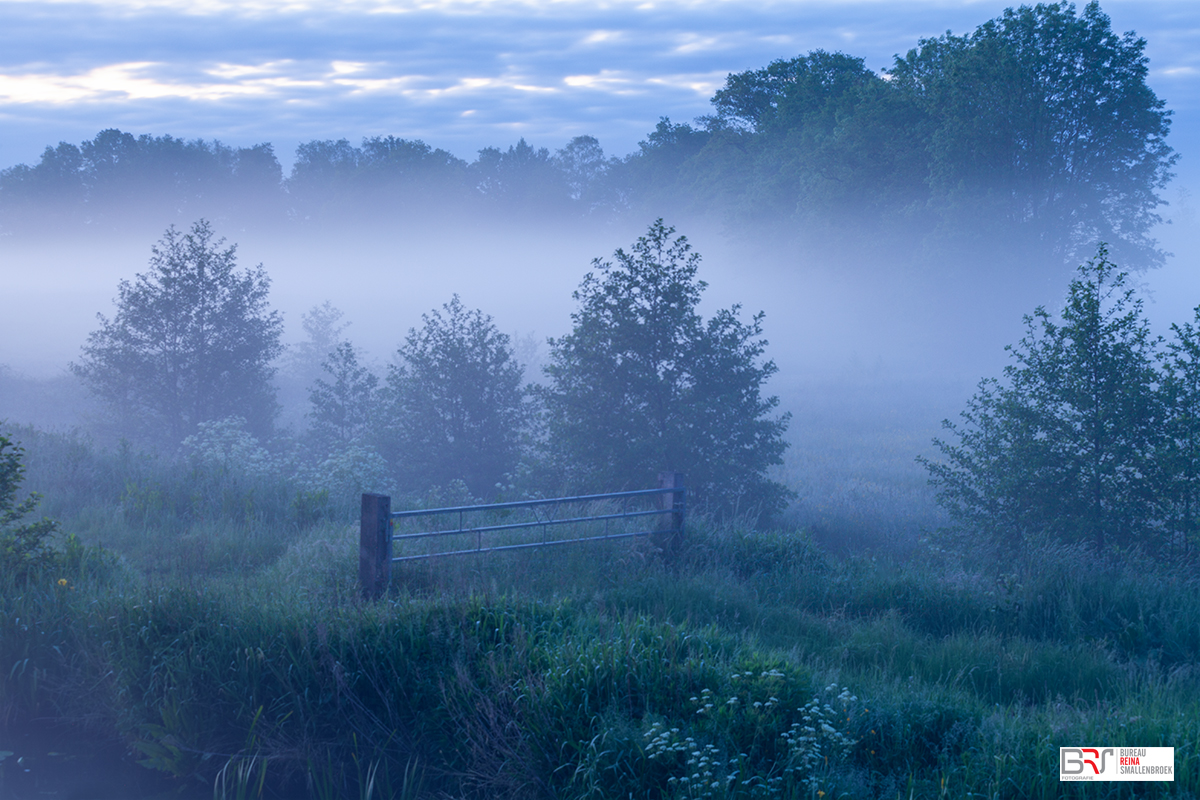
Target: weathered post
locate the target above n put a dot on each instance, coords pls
(375, 545)
(670, 526)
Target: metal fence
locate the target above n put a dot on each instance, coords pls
(520, 525)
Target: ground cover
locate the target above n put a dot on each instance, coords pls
(753, 663)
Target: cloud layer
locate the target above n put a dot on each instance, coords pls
(461, 74)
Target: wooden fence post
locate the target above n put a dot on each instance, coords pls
(672, 526)
(375, 545)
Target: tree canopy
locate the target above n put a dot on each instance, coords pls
(643, 383)
(1091, 434)
(457, 408)
(1036, 135)
(25, 546)
(193, 340)
(1042, 117)
(1029, 140)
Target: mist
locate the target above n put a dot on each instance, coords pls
(916, 453)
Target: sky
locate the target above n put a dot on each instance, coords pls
(458, 74)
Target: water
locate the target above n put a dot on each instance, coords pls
(57, 765)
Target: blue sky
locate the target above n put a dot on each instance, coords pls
(462, 74)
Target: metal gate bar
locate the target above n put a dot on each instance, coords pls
(377, 536)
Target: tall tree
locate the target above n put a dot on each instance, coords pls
(584, 168)
(1042, 118)
(643, 383)
(1065, 445)
(343, 403)
(1178, 460)
(521, 179)
(193, 340)
(458, 407)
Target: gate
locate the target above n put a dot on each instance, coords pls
(499, 527)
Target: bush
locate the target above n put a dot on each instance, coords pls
(25, 547)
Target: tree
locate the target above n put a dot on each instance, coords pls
(1178, 459)
(787, 92)
(345, 406)
(303, 363)
(192, 341)
(643, 384)
(584, 168)
(1065, 445)
(323, 326)
(1036, 134)
(523, 178)
(24, 546)
(457, 405)
(1042, 119)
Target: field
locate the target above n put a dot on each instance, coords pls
(208, 625)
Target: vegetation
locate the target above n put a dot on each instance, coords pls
(1033, 137)
(25, 547)
(345, 407)
(457, 408)
(192, 341)
(642, 384)
(202, 616)
(599, 671)
(1089, 437)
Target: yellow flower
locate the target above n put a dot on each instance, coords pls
(62, 581)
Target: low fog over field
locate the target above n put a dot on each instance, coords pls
(850, 364)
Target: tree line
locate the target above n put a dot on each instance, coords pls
(1034, 136)
(642, 383)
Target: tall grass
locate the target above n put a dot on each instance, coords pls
(749, 664)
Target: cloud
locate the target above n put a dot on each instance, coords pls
(461, 74)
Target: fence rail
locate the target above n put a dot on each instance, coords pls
(377, 538)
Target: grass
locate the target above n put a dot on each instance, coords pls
(753, 664)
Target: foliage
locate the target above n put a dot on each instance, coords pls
(1178, 457)
(303, 362)
(583, 685)
(1043, 118)
(323, 327)
(192, 341)
(1037, 133)
(224, 445)
(25, 547)
(344, 408)
(521, 179)
(786, 91)
(1066, 445)
(457, 407)
(113, 179)
(332, 179)
(643, 384)
(585, 169)
(345, 473)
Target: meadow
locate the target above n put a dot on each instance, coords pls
(207, 624)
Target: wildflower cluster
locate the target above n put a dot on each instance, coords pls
(706, 773)
(816, 741)
(226, 445)
(786, 750)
